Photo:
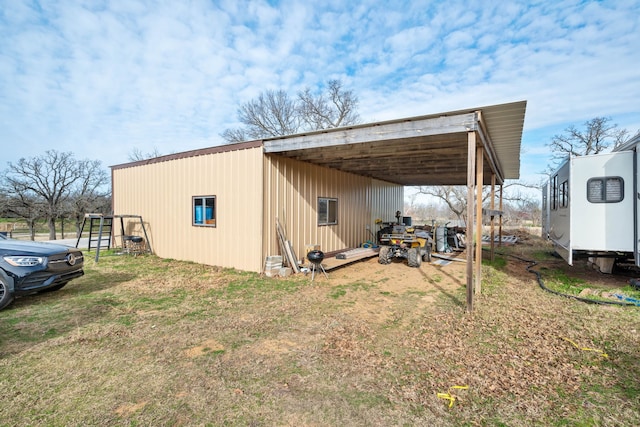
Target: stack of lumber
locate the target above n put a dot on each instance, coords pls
(506, 240)
(286, 248)
(358, 252)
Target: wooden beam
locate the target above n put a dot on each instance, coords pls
(479, 180)
(500, 222)
(326, 155)
(492, 206)
(390, 163)
(426, 145)
(471, 163)
(458, 123)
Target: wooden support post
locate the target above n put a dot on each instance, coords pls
(500, 222)
(479, 182)
(471, 163)
(493, 207)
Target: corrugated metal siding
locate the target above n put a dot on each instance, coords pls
(291, 192)
(387, 198)
(505, 123)
(161, 192)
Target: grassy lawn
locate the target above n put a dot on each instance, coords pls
(146, 341)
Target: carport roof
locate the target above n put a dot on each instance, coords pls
(422, 150)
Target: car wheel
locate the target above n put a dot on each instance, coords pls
(6, 296)
(413, 257)
(384, 256)
(54, 288)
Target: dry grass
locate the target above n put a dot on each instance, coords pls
(144, 341)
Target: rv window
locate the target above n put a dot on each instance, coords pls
(605, 190)
(327, 211)
(564, 194)
(204, 210)
(554, 193)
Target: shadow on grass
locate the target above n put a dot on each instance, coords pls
(448, 294)
(90, 283)
(36, 318)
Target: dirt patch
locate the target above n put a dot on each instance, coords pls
(273, 347)
(399, 277)
(386, 293)
(130, 408)
(208, 346)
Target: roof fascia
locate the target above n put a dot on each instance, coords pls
(192, 153)
(376, 132)
(483, 132)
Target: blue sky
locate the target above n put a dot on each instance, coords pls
(101, 79)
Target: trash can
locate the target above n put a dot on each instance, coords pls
(441, 239)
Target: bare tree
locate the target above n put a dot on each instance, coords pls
(4, 202)
(598, 135)
(425, 213)
(136, 154)
(88, 194)
(336, 108)
(275, 113)
(49, 181)
(528, 210)
(24, 205)
(455, 196)
(235, 135)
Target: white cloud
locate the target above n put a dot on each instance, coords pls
(103, 78)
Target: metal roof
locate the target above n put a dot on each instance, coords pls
(422, 150)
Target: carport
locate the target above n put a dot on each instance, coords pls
(472, 147)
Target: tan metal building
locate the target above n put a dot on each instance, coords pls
(247, 190)
(219, 205)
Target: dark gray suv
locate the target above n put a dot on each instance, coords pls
(27, 267)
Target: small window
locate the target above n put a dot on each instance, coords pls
(554, 193)
(204, 210)
(327, 211)
(564, 194)
(605, 190)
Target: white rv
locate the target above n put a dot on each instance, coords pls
(590, 207)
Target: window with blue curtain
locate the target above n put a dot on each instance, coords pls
(204, 210)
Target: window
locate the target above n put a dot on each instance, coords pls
(327, 211)
(554, 193)
(605, 189)
(564, 194)
(204, 210)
